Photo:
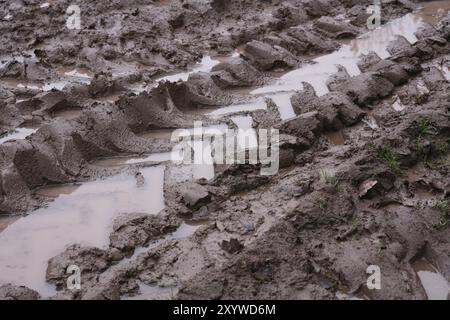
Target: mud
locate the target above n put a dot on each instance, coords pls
(86, 138)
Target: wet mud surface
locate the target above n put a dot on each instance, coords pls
(85, 150)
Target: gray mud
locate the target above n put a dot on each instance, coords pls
(86, 125)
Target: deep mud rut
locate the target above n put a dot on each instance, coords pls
(85, 150)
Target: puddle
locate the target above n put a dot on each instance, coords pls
(82, 216)
(15, 83)
(56, 191)
(435, 285)
(205, 65)
(348, 55)
(283, 101)
(202, 164)
(124, 161)
(20, 84)
(156, 157)
(433, 11)
(337, 137)
(58, 85)
(67, 114)
(80, 74)
(201, 111)
(18, 134)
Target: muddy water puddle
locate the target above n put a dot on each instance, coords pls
(206, 64)
(18, 134)
(33, 85)
(257, 104)
(82, 216)
(434, 283)
(202, 163)
(336, 138)
(68, 114)
(348, 55)
(57, 190)
(433, 11)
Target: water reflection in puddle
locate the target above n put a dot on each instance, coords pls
(18, 134)
(205, 65)
(84, 216)
(47, 86)
(56, 191)
(433, 11)
(81, 75)
(435, 285)
(201, 165)
(156, 157)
